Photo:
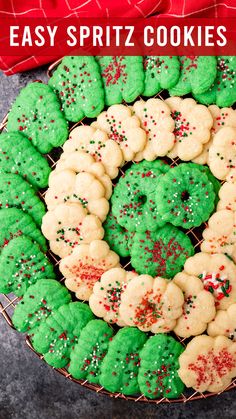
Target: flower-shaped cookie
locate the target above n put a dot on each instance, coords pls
(199, 306)
(222, 117)
(208, 364)
(156, 120)
(220, 235)
(68, 225)
(105, 298)
(86, 265)
(193, 123)
(151, 304)
(224, 323)
(227, 195)
(96, 143)
(84, 188)
(124, 128)
(218, 274)
(222, 154)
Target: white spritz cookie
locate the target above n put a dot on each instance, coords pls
(227, 195)
(156, 120)
(68, 225)
(105, 298)
(222, 154)
(151, 304)
(224, 323)
(85, 266)
(193, 124)
(124, 128)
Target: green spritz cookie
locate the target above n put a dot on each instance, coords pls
(36, 112)
(60, 332)
(185, 197)
(116, 236)
(89, 352)
(223, 91)
(161, 252)
(22, 263)
(160, 73)
(197, 73)
(123, 78)
(18, 155)
(158, 376)
(78, 84)
(215, 182)
(133, 199)
(39, 301)
(16, 192)
(119, 370)
(14, 223)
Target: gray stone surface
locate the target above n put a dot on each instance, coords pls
(29, 389)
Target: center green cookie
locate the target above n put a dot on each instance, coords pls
(197, 73)
(123, 78)
(215, 182)
(36, 112)
(14, 223)
(158, 376)
(119, 370)
(39, 301)
(161, 252)
(22, 263)
(133, 199)
(78, 84)
(185, 197)
(60, 332)
(117, 236)
(223, 91)
(89, 352)
(18, 155)
(16, 192)
(160, 73)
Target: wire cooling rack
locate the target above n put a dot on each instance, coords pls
(8, 302)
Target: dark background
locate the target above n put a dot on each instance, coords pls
(29, 389)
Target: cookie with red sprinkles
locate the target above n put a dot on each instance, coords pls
(160, 73)
(37, 113)
(223, 91)
(56, 337)
(122, 76)
(197, 74)
(39, 301)
(88, 354)
(78, 84)
(22, 263)
(158, 372)
(185, 197)
(160, 252)
(18, 155)
(16, 192)
(119, 369)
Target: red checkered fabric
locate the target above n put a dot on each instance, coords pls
(103, 8)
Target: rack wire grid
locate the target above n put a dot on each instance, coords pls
(8, 302)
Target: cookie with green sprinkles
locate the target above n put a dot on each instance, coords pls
(39, 301)
(161, 252)
(197, 73)
(60, 332)
(123, 78)
(133, 199)
(18, 155)
(37, 113)
(89, 352)
(119, 370)
(14, 223)
(78, 84)
(223, 91)
(116, 236)
(158, 376)
(16, 192)
(160, 73)
(22, 263)
(185, 197)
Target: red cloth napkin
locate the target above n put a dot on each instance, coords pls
(103, 8)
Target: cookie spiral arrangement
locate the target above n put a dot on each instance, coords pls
(145, 217)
